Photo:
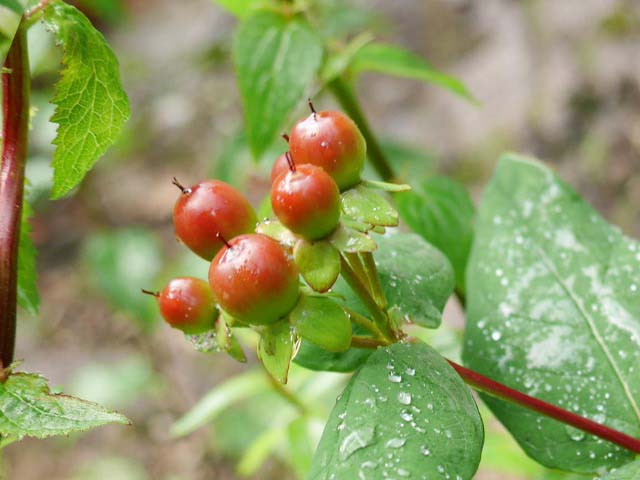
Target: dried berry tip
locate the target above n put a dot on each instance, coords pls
(150, 292)
(221, 238)
(290, 162)
(180, 186)
(286, 137)
(313, 110)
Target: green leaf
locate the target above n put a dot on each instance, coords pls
(276, 58)
(554, 311)
(441, 211)
(366, 205)
(319, 263)
(218, 399)
(416, 277)
(300, 446)
(630, 471)
(91, 106)
(241, 8)
(394, 60)
(277, 231)
(321, 321)
(405, 413)
(276, 349)
(28, 408)
(120, 264)
(386, 186)
(349, 240)
(28, 297)
(13, 5)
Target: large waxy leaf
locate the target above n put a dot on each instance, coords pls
(416, 277)
(405, 414)
(628, 472)
(27, 408)
(441, 211)
(91, 106)
(276, 57)
(554, 311)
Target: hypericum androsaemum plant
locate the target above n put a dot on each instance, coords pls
(552, 341)
(90, 110)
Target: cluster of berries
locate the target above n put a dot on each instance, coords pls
(253, 278)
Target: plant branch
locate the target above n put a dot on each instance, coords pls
(15, 128)
(366, 342)
(349, 102)
(287, 395)
(364, 322)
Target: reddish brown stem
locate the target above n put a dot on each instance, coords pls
(150, 292)
(15, 113)
(290, 162)
(495, 389)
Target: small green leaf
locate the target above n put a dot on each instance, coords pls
(276, 349)
(241, 8)
(440, 210)
(405, 414)
(366, 205)
(218, 399)
(386, 186)
(554, 312)
(416, 277)
(91, 106)
(630, 471)
(276, 58)
(321, 321)
(319, 263)
(28, 297)
(13, 5)
(349, 240)
(28, 408)
(338, 62)
(394, 60)
(277, 231)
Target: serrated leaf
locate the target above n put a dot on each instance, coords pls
(91, 106)
(347, 239)
(27, 408)
(394, 60)
(276, 58)
(554, 311)
(318, 262)
(276, 348)
(441, 211)
(405, 413)
(366, 205)
(321, 321)
(28, 297)
(416, 277)
(630, 471)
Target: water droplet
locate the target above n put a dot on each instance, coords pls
(406, 416)
(394, 378)
(395, 443)
(496, 335)
(575, 434)
(356, 440)
(425, 451)
(403, 473)
(404, 398)
(410, 371)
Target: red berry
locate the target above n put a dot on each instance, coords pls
(306, 201)
(330, 140)
(281, 165)
(254, 279)
(209, 209)
(187, 304)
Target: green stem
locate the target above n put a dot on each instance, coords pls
(366, 342)
(374, 279)
(287, 395)
(16, 87)
(365, 323)
(349, 102)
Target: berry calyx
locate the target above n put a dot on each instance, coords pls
(331, 140)
(254, 279)
(207, 209)
(306, 201)
(186, 303)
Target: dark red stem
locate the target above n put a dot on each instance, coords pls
(290, 162)
(286, 137)
(15, 128)
(495, 389)
(150, 292)
(222, 239)
(182, 188)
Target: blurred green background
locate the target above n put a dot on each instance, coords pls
(557, 80)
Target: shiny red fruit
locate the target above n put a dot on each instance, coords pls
(281, 165)
(306, 201)
(330, 140)
(186, 303)
(254, 279)
(209, 209)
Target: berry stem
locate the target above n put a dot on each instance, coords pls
(312, 108)
(495, 389)
(365, 323)
(175, 181)
(16, 86)
(366, 342)
(286, 137)
(150, 292)
(349, 102)
(288, 395)
(290, 162)
(222, 239)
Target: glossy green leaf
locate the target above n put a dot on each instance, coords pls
(440, 210)
(394, 60)
(241, 8)
(386, 186)
(321, 321)
(13, 5)
(347, 239)
(276, 349)
(630, 471)
(416, 278)
(368, 206)
(276, 58)
(319, 263)
(28, 297)
(219, 398)
(277, 231)
(338, 62)
(91, 106)
(405, 414)
(29, 409)
(554, 311)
